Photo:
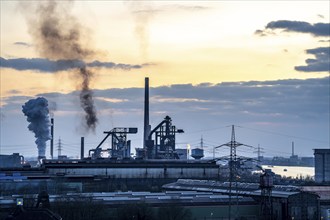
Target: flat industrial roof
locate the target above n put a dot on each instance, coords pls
(187, 198)
(242, 189)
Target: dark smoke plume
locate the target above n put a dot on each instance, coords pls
(57, 33)
(87, 100)
(37, 113)
(58, 36)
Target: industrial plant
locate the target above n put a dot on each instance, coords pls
(157, 177)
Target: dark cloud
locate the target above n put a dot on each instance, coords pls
(13, 103)
(271, 100)
(24, 44)
(112, 65)
(321, 63)
(280, 101)
(290, 106)
(290, 98)
(260, 33)
(40, 64)
(46, 65)
(317, 29)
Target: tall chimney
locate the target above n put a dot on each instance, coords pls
(292, 148)
(82, 148)
(146, 113)
(52, 138)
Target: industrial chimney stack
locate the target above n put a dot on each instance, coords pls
(146, 113)
(292, 148)
(52, 138)
(82, 148)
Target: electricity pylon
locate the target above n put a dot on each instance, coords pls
(233, 164)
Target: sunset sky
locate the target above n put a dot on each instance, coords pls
(260, 65)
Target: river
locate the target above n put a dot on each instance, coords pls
(291, 171)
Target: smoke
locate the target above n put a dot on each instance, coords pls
(58, 35)
(37, 113)
(87, 100)
(52, 107)
(142, 13)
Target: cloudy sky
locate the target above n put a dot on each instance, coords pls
(261, 66)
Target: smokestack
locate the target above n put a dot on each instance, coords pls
(52, 138)
(146, 113)
(292, 148)
(82, 148)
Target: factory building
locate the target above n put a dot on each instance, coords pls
(14, 160)
(322, 165)
(205, 200)
(104, 175)
(324, 193)
(287, 202)
(199, 205)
